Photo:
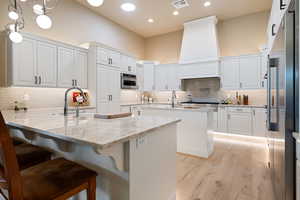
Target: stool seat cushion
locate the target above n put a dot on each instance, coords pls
(29, 155)
(54, 178)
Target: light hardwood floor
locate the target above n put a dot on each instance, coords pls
(237, 170)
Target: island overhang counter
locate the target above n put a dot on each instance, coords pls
(125, 152)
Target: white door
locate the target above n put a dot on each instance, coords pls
(149, 77)
(103, 80)
(240, 123)
(161, 77)
(131, 65)
(230, 73)
(174, 81)
(115, 91)
(222, 119)
(259, 122)
(250, 72)
(24, 63)
(115, 58)
(66, 67)
(47, 64)
(140, 77)
(102, 56)
(124, 63)
(81, 68)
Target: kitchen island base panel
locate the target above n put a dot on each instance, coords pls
(126, 170)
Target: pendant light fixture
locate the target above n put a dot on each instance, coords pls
(43, 20)
(95, 3)
(13, 29)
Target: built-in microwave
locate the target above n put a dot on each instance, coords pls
(128, 81)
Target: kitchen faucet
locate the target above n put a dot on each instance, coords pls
(66, 100)
(173, 98)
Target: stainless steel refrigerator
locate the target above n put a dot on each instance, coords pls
(283, 102)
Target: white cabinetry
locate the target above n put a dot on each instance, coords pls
(128, 64)
(34, 63)
(39, 62)
(149, 79)
(23, 63)
(167, 77)
(222, 119)
(66, 63)
(200, 70)
(230, 70)
(250, 76)
(259, 122)
(242, 121)
(108, 57)
(108, 90)
(239, 121)
(242, 72)
(47, 64)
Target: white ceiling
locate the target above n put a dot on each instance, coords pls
(161, 11)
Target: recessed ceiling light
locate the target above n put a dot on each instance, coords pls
(95, 3)
(207, 4)
(128, 7)
(175, 12)
(150, 20)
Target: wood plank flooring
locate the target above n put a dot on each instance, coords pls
(237, 170)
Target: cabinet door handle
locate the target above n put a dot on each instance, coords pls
(263, 84)
(76, 82)
(282, 5)
(40, 80)
(129, 68)
(35, 80)
(254, 113)
(73, 82)
(111, 97)
(241, 85)
(228, 116)
(273, 29)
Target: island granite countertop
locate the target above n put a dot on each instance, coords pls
(100, 133)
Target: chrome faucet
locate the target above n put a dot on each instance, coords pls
(173, 98)
(66, 109)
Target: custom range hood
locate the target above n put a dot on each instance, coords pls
(200, 48)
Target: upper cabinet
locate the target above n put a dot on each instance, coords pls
(149, 80)
(38, 62)
(242, 72)
(230, 70)
(72, 67)
(128, 64)
(108, 57)
(167, 77)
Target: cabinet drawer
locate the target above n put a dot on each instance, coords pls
(240, 123)
(239, 109)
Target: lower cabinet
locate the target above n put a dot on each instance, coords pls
(242, 121)
(239, 121)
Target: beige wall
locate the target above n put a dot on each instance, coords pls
(75, 24)
(164, 48)
(242, 35)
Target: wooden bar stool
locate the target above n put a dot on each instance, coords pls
(57, 179)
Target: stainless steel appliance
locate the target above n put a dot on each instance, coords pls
(283, 104)
(128, 81)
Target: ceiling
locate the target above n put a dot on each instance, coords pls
(161, 11)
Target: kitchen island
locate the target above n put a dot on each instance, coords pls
(126, 153)
(194, 132)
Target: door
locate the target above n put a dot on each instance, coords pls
(259, 122)
(47, 64)
(230, 73)
(149, 77)
(250, 72)
(81, 68)
(24, 63)
(114, 90)
(161, 77)
(115, 58)
(66, 67)
(240, 123)
(222, 119)
(103, 56)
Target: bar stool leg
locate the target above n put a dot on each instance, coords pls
(91, 191)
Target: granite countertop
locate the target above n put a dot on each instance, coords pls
(245, 106)
(202, 108)
(100, 133)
